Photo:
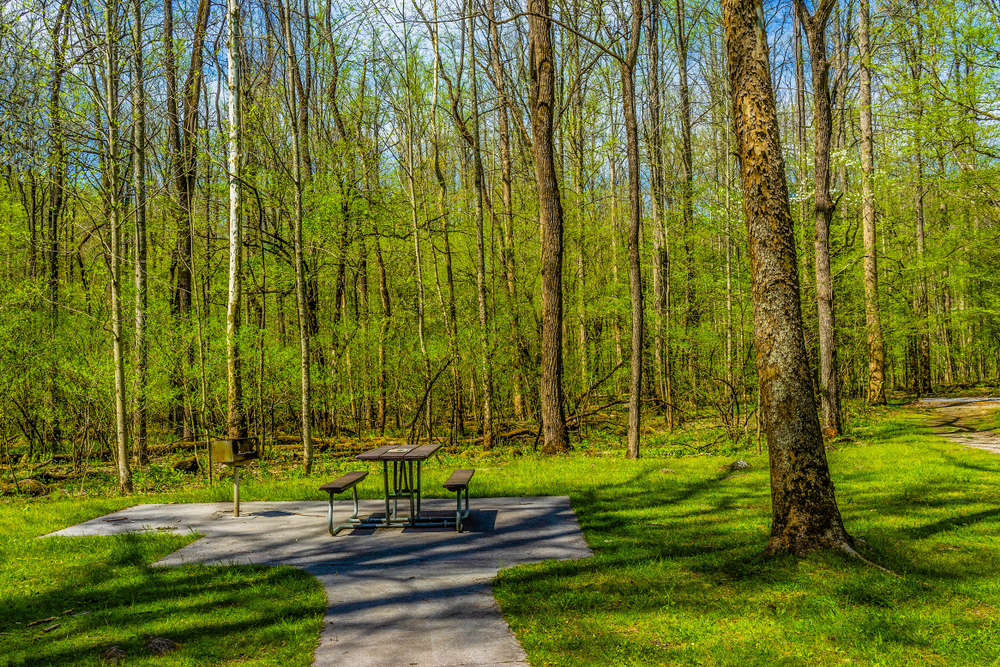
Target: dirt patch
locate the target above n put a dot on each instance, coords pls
(957, 419)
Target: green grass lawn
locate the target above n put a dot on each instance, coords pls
(676, 579)
(103, 593)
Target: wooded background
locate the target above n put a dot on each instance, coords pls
(387, 154)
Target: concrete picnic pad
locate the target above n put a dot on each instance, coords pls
(396, 597)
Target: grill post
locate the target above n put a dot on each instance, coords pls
(236, 490)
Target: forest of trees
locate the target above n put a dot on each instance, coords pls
(356, 216)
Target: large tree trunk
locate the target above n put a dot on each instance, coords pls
(111, 74)
(139, 185)
(550, 213)
(805, 516)
(873, 318)
(829, 381)
(237, 423)
(292, 72)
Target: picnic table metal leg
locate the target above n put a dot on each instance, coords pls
(385, 482)
(395, 489)
(329, 516)
(418, 488)
(351, 520)
(408, 466)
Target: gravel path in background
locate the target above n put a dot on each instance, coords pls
(954, 418)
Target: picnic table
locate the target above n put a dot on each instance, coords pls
(406, 483)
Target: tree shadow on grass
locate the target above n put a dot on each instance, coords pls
(108, 595)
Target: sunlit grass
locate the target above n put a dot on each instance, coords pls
(677, 576)
(103, 593)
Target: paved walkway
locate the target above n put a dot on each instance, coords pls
(397, 597)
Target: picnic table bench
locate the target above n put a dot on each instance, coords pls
(338, 486)
(458, 482)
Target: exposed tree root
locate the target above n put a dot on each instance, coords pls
(850, 551)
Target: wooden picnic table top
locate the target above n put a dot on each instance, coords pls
(399, 453)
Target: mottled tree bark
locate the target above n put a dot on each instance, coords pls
(805, 516)
(542, 102)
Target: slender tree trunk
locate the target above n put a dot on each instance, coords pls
(58, 167)
(661, 251)
(414, 209)
(615, 277)
(485, 335)
(921, 306)
(693, 318)
(805, 516)
(922, 342)
(139, 185)
(577, 178)
(873, 318)
(627, 67)
(183, 138)
(383, 292)
(507, 252)
(829, 381)
(802, 168)
(449, 310)
(291, 71)
(237, 424)
(111, 74)
(542, 101)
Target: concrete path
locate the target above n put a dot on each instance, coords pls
(954, 418)
(397, 597)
